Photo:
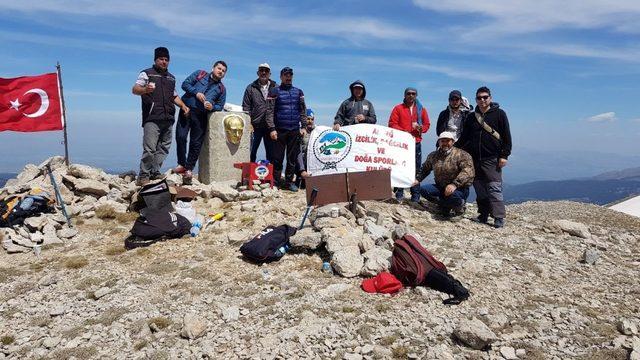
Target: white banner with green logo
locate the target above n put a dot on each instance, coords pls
(363, 147)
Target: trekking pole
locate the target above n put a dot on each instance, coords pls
(58, 195)
(312, 199)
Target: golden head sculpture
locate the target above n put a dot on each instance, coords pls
(233, 128)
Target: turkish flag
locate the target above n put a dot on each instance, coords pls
(31, 103)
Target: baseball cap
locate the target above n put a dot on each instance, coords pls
(264, 65)
(286, 70)
(383, 283)
(447, 135)
(455, 94)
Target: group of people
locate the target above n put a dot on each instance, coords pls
(472, 148)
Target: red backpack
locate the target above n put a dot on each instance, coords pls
(411, 262)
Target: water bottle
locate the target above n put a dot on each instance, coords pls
(282, 250)
(326, 267)
(26, 203)
(196, 226)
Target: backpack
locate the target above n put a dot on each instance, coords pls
(411, 262)
(414, 265)
(270, 245)
(15, 209)
(156, 225)
(155, 195)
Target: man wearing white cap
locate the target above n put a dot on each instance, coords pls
(453, 173)
(255, 103)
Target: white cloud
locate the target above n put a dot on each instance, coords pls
(604, 117)
(524, 16)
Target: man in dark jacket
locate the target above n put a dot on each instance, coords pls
(255, 103)
(486, 136)
(286, 120)
(204, 93)
(156, 87)
(356, 109)
(452, 118)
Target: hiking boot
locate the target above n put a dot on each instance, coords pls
(187, 177)
(156, 176)
(142, 181)
(415, 198)
(482, 218)
(291, 187)
(179, 169)
(459, 211)
(498, 223)
(460, 294)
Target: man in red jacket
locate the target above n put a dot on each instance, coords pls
(412, 117)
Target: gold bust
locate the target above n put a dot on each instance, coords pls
(233, 128)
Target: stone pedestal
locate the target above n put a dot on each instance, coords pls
(219, 154)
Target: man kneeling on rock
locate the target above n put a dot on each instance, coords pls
(453, 172)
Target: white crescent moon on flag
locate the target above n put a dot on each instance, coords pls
(43, 107)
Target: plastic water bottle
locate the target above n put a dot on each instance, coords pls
(282, 250)
(196, 226)
(326, 267)
(26, 203)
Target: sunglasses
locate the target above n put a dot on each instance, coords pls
(411, 93)
(484, 97)
(454, 99)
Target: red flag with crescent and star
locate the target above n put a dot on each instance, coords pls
(31, 103)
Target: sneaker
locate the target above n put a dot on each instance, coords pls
(179, 169)
(444, 212)
(415, 198)
(482, 218)
(142, 181)
(156, 176)
(292, 187)
(187, 177)
(498, 223)
(460, 294)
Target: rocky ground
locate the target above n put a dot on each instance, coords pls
(559, 281)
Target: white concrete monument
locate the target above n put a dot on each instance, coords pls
(226, 142)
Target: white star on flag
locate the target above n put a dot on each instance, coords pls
(15, 104)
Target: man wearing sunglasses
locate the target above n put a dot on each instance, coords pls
(486, 136)
(412, 117)
(255, 103)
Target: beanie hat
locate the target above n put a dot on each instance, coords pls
(310, 113)
(410, 89)
(161, 52)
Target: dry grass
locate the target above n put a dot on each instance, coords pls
(105, 212)
(114, 250)
(400, 352)
(162, 268)
(108, 317)
(75, 353)
(7, 340)
(388, 340)
(159, 323)
(40, 321)
(140, 345)
(126, 218)
(76, 262)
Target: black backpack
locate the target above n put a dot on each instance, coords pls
(270, 245)
(156, 225)
(15, 209)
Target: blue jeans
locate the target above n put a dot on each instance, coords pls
(194, 127)
(434, 193)
(415, 190)
(256, 138)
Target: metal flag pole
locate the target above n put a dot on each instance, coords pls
(64, 115)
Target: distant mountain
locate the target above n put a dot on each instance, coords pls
(625, 174)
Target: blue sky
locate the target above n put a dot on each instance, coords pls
(566, 73)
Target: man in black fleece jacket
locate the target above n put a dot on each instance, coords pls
(490, 147)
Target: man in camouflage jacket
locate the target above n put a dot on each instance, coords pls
(453, 173)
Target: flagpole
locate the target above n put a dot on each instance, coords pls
(64, 115)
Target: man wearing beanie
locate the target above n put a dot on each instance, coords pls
(156, 87)
(356, 109)
(412, 117)
(286, 120)
(451, 118)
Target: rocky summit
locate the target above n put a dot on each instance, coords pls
(559, 281)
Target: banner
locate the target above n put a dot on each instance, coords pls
(363, 147)
(30, 103)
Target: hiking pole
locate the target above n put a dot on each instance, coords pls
(312, 199)
(58, 195)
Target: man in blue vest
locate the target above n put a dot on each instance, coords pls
(156, 87)
(286, 120)
(204, 93)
